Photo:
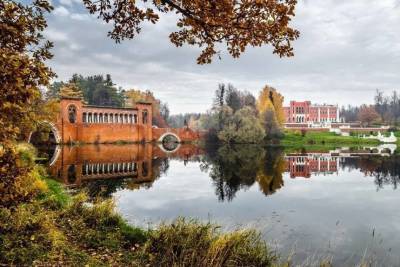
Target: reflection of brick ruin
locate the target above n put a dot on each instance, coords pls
(305, 165)
(78, 122)
(74, 165)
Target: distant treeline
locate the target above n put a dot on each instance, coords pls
(182, 120)
(385, 110)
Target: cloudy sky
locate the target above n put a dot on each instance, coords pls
(346, 51)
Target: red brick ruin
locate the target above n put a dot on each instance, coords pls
(81, 123)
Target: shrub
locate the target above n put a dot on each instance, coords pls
(190, 243)
(18, 175)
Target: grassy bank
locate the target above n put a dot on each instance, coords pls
(323, 139)
(54, 227)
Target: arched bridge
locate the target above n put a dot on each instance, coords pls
(180, 135)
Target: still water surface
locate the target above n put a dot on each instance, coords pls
(341, 204)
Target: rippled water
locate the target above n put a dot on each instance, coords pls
(341, 204)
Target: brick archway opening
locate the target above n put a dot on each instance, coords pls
(54, 138)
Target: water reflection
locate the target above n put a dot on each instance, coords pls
(105, 169)
(238, 167)
(338, 203)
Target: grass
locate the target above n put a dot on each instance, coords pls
(191, 243)
(55, 228)
(322, 139)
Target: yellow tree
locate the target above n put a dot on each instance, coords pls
(71, 90)
(133, 96)
(271, 100)
(270, 111)
(207, 23)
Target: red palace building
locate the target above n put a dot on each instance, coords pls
(308, 165)
(305, 112)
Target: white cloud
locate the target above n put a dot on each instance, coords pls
(347, 49)
(66, 2)
(61, 11)
(80, 16)
(55, 35)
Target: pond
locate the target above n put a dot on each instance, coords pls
(341, 204)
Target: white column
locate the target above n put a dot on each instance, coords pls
(319, 114)
(319, 164)
(329, 117)
(337, 113)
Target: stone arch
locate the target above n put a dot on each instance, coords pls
(57, 138)
(53, 129)
(168, 149)
(162, 137)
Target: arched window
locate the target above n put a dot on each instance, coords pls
(106, 118)
(116, 118)
(84, 117)
(96, 118)
(130, 119)
(135, 118)
(144, 114)
(101, 118)
(111, 118)
(72, 114)
(126, 118)
(121, 118)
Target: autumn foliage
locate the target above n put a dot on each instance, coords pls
(22, 55)
(23, 72)
(160, 110)
(368, 115)
(271, 114)
(207, 23)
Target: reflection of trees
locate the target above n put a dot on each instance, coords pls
(269, 176)
(103, 188)
(385, 170)
(237, 167)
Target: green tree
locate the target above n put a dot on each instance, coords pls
(233, 98)
(242, 127)
(96, 90)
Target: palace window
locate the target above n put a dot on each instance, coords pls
(121, 118)
(135, 118)
(101, 118)
(130, 119)
(84, 117)
(72, 114)
(125, 118)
